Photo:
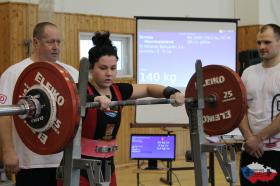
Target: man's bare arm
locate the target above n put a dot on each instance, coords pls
(10, 159)
(245, 128)
(270, 130)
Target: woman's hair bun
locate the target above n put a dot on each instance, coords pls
(101, 38)
(102, 47)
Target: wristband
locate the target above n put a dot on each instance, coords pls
(168, 91)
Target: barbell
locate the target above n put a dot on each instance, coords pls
(46, 107)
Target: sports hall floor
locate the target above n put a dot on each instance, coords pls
(126, 175)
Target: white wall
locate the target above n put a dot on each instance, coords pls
(167, 8)
(131, 8)
(242, 9)
(250, 12)
(269, 11)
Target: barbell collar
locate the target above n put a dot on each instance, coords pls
(27, 107)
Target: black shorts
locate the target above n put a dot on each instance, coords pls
(260, 172)
(36, 177)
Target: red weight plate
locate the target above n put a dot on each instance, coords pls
(56, 79)
(231, 102)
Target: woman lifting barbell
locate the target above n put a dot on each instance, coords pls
(100, 126)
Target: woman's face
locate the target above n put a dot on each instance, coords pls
(104, 71)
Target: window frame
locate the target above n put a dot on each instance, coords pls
(126, 56)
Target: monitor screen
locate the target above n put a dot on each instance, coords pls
(152, 146)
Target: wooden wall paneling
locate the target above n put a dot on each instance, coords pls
(59, 20)
(5, 35)
(134, 67)
(68, 43)
(73, 37)
(17, 19)
(18, 32)
(31, 19)
(182, 141)
(247, 37)
(120, 25)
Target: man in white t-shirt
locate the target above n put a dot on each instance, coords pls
(260, 159)
(31, 169)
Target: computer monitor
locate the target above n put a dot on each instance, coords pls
(152, 147)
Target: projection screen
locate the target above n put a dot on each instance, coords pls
(167, 49)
